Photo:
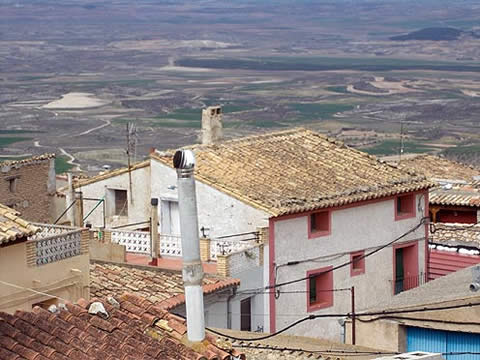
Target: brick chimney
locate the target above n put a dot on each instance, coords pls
(212, 126)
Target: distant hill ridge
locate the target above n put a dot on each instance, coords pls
(434, 34)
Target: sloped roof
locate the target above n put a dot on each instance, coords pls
(457, 195)
(434, 167)
(283, 347)
(162, 287)
(28, 161)
(449, 290)
(107, 175)
(134, 329)
(12, 227)
(297, 170)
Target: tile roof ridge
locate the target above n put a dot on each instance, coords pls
(32, 159)
(256, 137)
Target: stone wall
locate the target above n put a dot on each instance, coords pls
(27, 188)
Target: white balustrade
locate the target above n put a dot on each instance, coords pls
(225, 247)
(170, 245)
(134, 241)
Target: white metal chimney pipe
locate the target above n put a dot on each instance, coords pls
(192, 271)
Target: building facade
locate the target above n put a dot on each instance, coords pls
(28, 186)
(319, 200)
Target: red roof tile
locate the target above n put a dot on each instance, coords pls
(72, 333)
(159, 286)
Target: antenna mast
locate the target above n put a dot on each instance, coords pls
(129, 146)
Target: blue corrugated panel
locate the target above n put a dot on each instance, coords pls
(419, 339)
(463, 342)
(438, 341)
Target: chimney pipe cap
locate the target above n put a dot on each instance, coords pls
(154, 201)
(184, 159)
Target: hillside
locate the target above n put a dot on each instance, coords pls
(432, 34)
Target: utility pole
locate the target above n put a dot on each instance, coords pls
(128, 161)
(192, 272)
(352, 291)
(401, 141)
(154, 231)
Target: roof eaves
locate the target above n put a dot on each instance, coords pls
(108, 175)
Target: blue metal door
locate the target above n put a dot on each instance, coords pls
(439, 341)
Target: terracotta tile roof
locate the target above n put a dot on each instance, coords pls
(12, 227)
(297, 170)
(434, 167)
(455, 234)
(457, 195)
(131, 329)
(162, 287)
(30, 160)
(299, 347)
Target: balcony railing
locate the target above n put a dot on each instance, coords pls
(407, 283)
(224, 245)
(54, 243)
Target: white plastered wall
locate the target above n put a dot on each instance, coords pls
(352, 229)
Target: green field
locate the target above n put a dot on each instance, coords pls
(4, 141)
(392, 147)
(314, 111)
(298, 63)
(61, 165)
(8, 132)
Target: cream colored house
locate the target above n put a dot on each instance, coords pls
(40, 264)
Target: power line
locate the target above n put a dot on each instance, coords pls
(348, 263)
(389, 317)
(32, 290)
(357, 315)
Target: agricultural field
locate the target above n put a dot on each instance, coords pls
(71, 87)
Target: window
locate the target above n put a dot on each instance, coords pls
(319, 289)
(319, 224)
(357, 263)
(404, 206)
(12, 183)
(121, 203)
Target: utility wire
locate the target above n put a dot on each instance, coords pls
(348, 263)
(415, 228)
(392, 317)
(357, 315)
(32, 290)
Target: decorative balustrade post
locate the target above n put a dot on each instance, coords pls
(79, 209)
(154, 232)
(205, 249)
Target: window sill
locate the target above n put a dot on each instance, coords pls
(319, 306)
(357, 272)
(316, 234)
(401, 216)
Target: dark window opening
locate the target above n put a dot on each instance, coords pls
(246, 315)
(357, 263)
(121, 203)
(320, 222)
(405, 206)
(320, 286)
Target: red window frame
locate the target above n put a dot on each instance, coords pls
(323, 281)
(405, 207)
(324, 217)
(357, 267)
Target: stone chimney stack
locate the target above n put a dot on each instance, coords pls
(212, 126)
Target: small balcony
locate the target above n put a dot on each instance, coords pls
(406, 283)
